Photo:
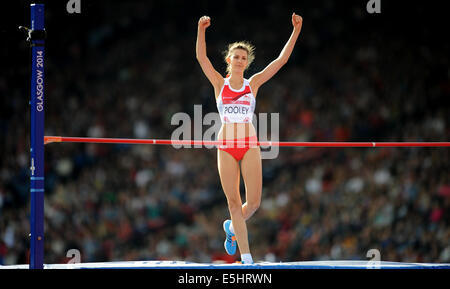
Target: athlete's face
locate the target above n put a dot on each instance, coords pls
(238, 59)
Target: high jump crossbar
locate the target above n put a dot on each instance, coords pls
(53, 139)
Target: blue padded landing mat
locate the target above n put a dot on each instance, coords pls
(344, 264)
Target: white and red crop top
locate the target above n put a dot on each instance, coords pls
(236, 106)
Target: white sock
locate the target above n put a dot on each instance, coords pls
(247, 258)
(231, 228)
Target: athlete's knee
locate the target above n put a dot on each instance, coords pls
(234, 205)
(254, 200)
(254, 204)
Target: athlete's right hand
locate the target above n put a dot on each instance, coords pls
(204, 22)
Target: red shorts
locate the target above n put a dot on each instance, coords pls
(238, 150)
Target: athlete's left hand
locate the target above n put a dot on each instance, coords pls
(297, 21)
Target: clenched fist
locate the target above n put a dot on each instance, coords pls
(204, 22)
(297, 21)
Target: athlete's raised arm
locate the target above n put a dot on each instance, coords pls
(261, 77)
(213, 76)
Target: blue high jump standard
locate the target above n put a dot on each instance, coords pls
(37, 138)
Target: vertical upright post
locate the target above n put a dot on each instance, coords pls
(37, 140)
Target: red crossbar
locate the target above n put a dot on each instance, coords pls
(50, 139)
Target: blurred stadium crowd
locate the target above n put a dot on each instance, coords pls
(129, 69)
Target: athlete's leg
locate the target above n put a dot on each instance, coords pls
(229, 177)
(251, 168)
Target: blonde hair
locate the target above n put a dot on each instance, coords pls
(244, 45)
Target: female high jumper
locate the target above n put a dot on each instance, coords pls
(236, 98)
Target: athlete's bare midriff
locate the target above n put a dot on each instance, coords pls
(236, 130)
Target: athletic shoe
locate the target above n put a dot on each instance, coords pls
(243, 263)
(230, 241)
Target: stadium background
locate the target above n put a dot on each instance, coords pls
(123, 68)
